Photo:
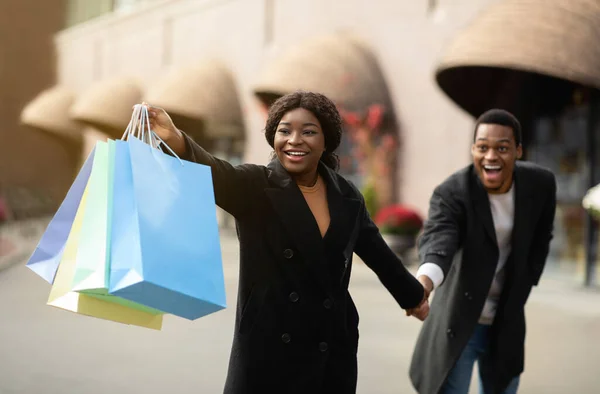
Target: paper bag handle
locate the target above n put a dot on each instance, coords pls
(139, 127)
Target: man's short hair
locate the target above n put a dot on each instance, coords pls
(502, 118)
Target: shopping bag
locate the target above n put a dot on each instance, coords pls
(92, 254)
(62, 296)
(90, 270)
(165, 250)
(46, 256)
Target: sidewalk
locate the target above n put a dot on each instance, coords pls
(562, 349)
(18, 239)
(559, 292)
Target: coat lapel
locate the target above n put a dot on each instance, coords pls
(523, 202)
(291, 207)
(481, 204)
(344, 208)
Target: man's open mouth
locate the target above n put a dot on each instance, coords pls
(492, 169)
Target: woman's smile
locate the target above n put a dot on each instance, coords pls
(296, 155)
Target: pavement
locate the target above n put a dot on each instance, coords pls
(18, 239)
(45, 350)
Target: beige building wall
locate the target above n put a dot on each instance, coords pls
(408, 37)
(36, 162)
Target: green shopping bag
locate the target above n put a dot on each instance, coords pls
(61, 294)
(92, 261)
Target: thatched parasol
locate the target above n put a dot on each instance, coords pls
(107, 105)
(49, 112)
(543, 46)
(89, 137)
(340, 66)
(203, 96)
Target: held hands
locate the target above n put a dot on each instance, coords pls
(163, 126)
(421, 311)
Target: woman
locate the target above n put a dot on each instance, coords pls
(298, 224)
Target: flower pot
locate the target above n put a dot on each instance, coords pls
(400, 244)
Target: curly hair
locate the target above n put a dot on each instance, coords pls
(322, 108)
(502, 118)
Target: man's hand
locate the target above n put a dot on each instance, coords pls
(427, 284)
(422, 310)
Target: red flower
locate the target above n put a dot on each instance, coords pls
(400, 220)
(350, 118)
(375, 116)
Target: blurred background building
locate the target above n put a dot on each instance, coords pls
(413, 74)
(35, 167)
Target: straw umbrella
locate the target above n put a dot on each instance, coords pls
(346, 71)
(203, 95)
(519, 53)
(49, 112)
(106, 105)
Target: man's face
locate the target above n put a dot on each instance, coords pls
(494, 155)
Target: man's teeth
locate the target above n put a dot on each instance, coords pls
(491, 167)
(296, 153)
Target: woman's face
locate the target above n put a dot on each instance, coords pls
(299, 143)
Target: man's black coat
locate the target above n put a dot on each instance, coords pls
(459, 237)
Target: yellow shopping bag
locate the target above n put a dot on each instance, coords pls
(62, 296)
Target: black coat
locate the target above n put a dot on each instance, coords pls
(459, 236)
(296, 328)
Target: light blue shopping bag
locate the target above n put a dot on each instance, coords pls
(165, 249)
(46, 257)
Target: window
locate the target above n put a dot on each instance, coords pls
(128, 5)
(79, 11)
(559, 143)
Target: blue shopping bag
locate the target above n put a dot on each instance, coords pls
(164, 251)
(46, 257)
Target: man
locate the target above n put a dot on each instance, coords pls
(485, 242)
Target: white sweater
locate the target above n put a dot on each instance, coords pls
(503, 212)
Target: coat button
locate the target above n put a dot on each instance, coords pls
(450, 333)
(288, 253)
(323, 347)
(286, 338)
(294, 297)
(327, 304)
(469, 296)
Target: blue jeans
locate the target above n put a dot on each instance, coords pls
(477, 349)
